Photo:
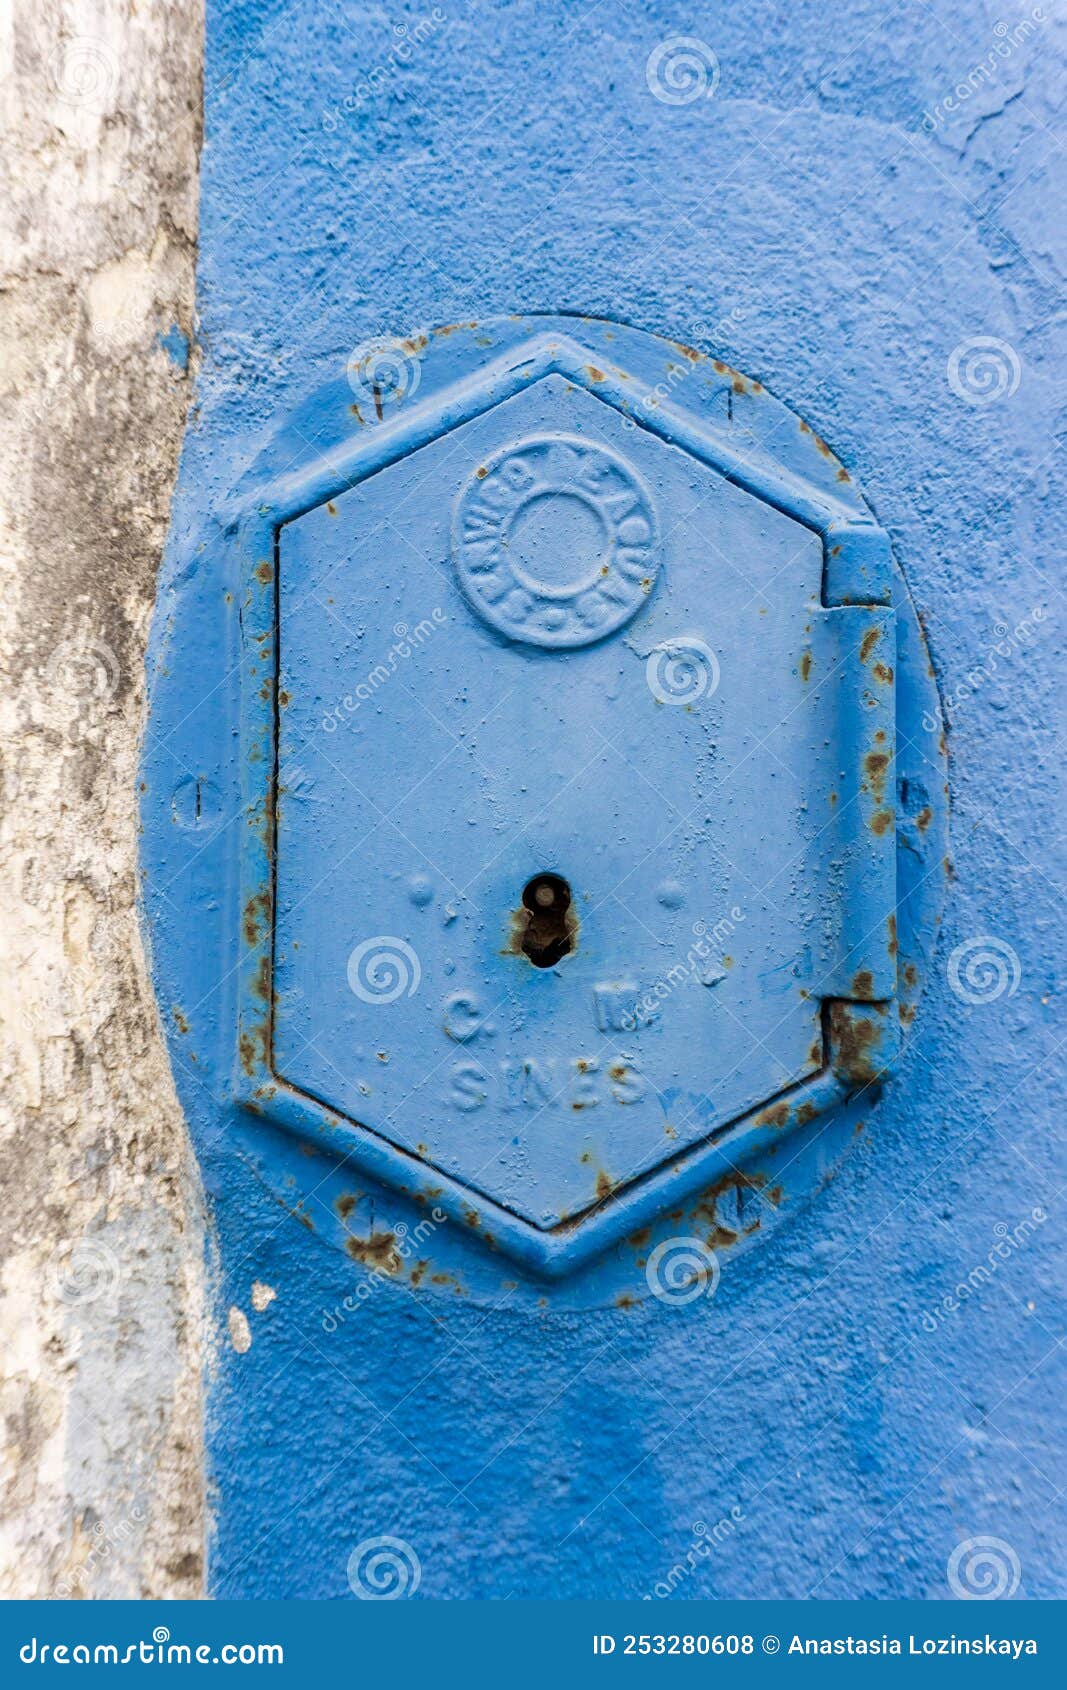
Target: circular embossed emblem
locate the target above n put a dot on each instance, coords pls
(555, 540)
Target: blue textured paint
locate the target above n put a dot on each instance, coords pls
(175, 344)
(807, 226)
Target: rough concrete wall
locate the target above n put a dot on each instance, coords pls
(101, 1481)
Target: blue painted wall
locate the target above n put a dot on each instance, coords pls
(835, 220)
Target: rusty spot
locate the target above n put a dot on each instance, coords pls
(605, 1186)
(776, 1116)
(924, 818)
(284, 699)
(482, 471)
(264, 572)
(471, 1217)
(774, 1195)
(417, 343)
(833, 798)
(876, 763)
(261, 979)
(689, 352)
(640, 1238)
(807, 1112)
(358, 414)
(843, 475)
(346, 1203)
(417, 1273)
(868, 643)
(863, 984)
(907, 1014)
(881, 822)
(815, 1052)
(911, 974)
(179, 1019)
(256, 909)
(378, 1251)
(883, 672)
(891, 924)
(593, 373)
(586, 1156)
(805, 666)
(855, 1038)
(453, 328)
(331, 507)
(623, 1301)
(727, 961)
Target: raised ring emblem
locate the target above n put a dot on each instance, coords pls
(555, 540)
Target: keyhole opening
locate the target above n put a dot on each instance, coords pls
(550, 923)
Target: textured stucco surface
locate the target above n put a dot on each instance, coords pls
(810, 225)
(101, 1480)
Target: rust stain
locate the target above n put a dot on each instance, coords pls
(883, 672)
(417, 343)
(924, 818)
(689, 352)
(331, 507)
(911, 974)
(179, 1019)
(855, 1037)
(868, 643)
(623, 1301)
(453, 328)
(605, 1186)
(776, 1116)
(875, 764)
(593, 373)
(264, 572)
(640, 1238)
(256, 910)
(881, 822)
(863, 984)
(891, 924)
(805, 666)
(482, 471)
(378, 1251)
(807, 1112)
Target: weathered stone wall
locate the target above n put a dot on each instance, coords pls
(101, 1487)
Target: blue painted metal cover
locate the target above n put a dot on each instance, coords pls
(609, 659)
(550, 630)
